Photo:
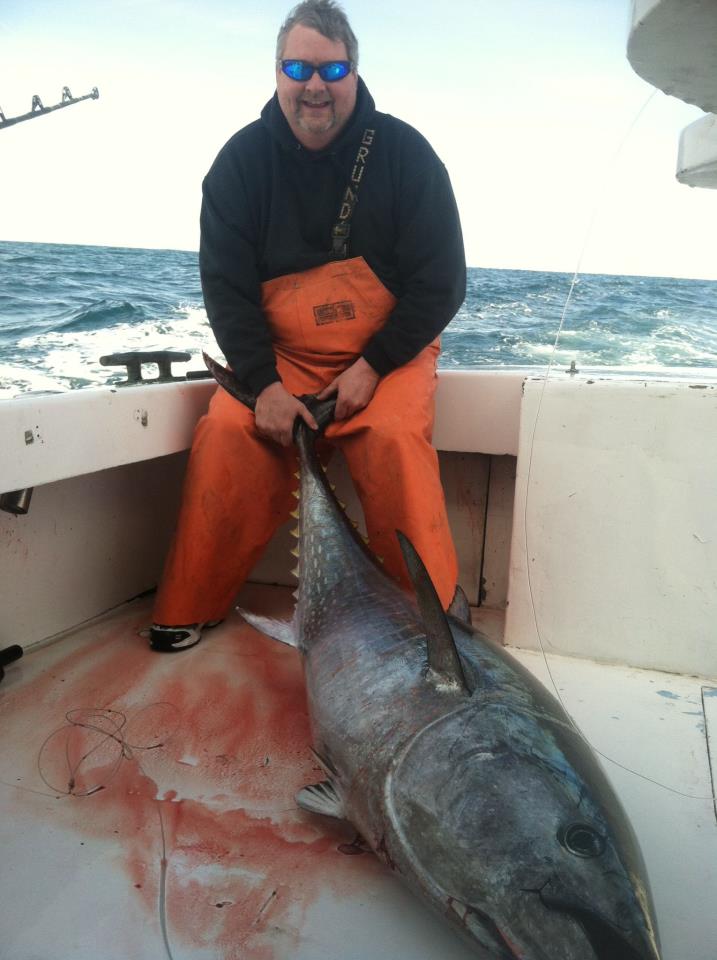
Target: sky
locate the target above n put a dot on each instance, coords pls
(527, 102)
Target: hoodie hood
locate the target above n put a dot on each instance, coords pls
(269, 208)
(276, 123)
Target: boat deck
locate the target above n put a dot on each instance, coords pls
(149, 807)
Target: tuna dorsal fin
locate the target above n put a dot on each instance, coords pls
(443, 656)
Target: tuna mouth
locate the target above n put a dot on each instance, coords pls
(606, 941)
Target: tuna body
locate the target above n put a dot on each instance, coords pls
(463, 774)
(479, 793)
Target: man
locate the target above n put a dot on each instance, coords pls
(331, 258)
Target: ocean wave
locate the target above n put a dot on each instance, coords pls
(72, 358)
(16, 258)
(16, 380)
(102, 314)
(62, 307)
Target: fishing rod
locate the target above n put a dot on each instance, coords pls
(38, 110)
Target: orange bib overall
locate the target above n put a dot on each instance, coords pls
(238, 487)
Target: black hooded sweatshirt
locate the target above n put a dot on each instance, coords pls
(268, 209)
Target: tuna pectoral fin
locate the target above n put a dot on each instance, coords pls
(321, 798)
(280, 630)
(443, 657)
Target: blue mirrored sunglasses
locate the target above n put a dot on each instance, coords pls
(303, 71)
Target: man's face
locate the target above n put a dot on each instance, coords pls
(315, 110)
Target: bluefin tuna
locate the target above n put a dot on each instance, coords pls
(459, 769)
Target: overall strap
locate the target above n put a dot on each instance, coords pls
(342, 228)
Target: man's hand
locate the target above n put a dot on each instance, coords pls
(275, 412)
(354, 388)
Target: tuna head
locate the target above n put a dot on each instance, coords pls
(512, 830)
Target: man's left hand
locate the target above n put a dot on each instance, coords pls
(354, 388)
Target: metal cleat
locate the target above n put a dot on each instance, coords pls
(133, 363)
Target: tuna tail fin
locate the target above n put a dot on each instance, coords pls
(225, 378)
(443, 658)
(322, 410)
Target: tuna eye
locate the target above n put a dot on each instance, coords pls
(582, 840)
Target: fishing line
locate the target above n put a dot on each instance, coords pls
(610, 170)
(111, 725)
(162, 896)
(103, 728)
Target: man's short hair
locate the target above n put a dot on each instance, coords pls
(324, 16)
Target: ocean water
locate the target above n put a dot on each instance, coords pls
(62, 307)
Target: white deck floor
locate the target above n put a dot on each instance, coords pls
(148, 804)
